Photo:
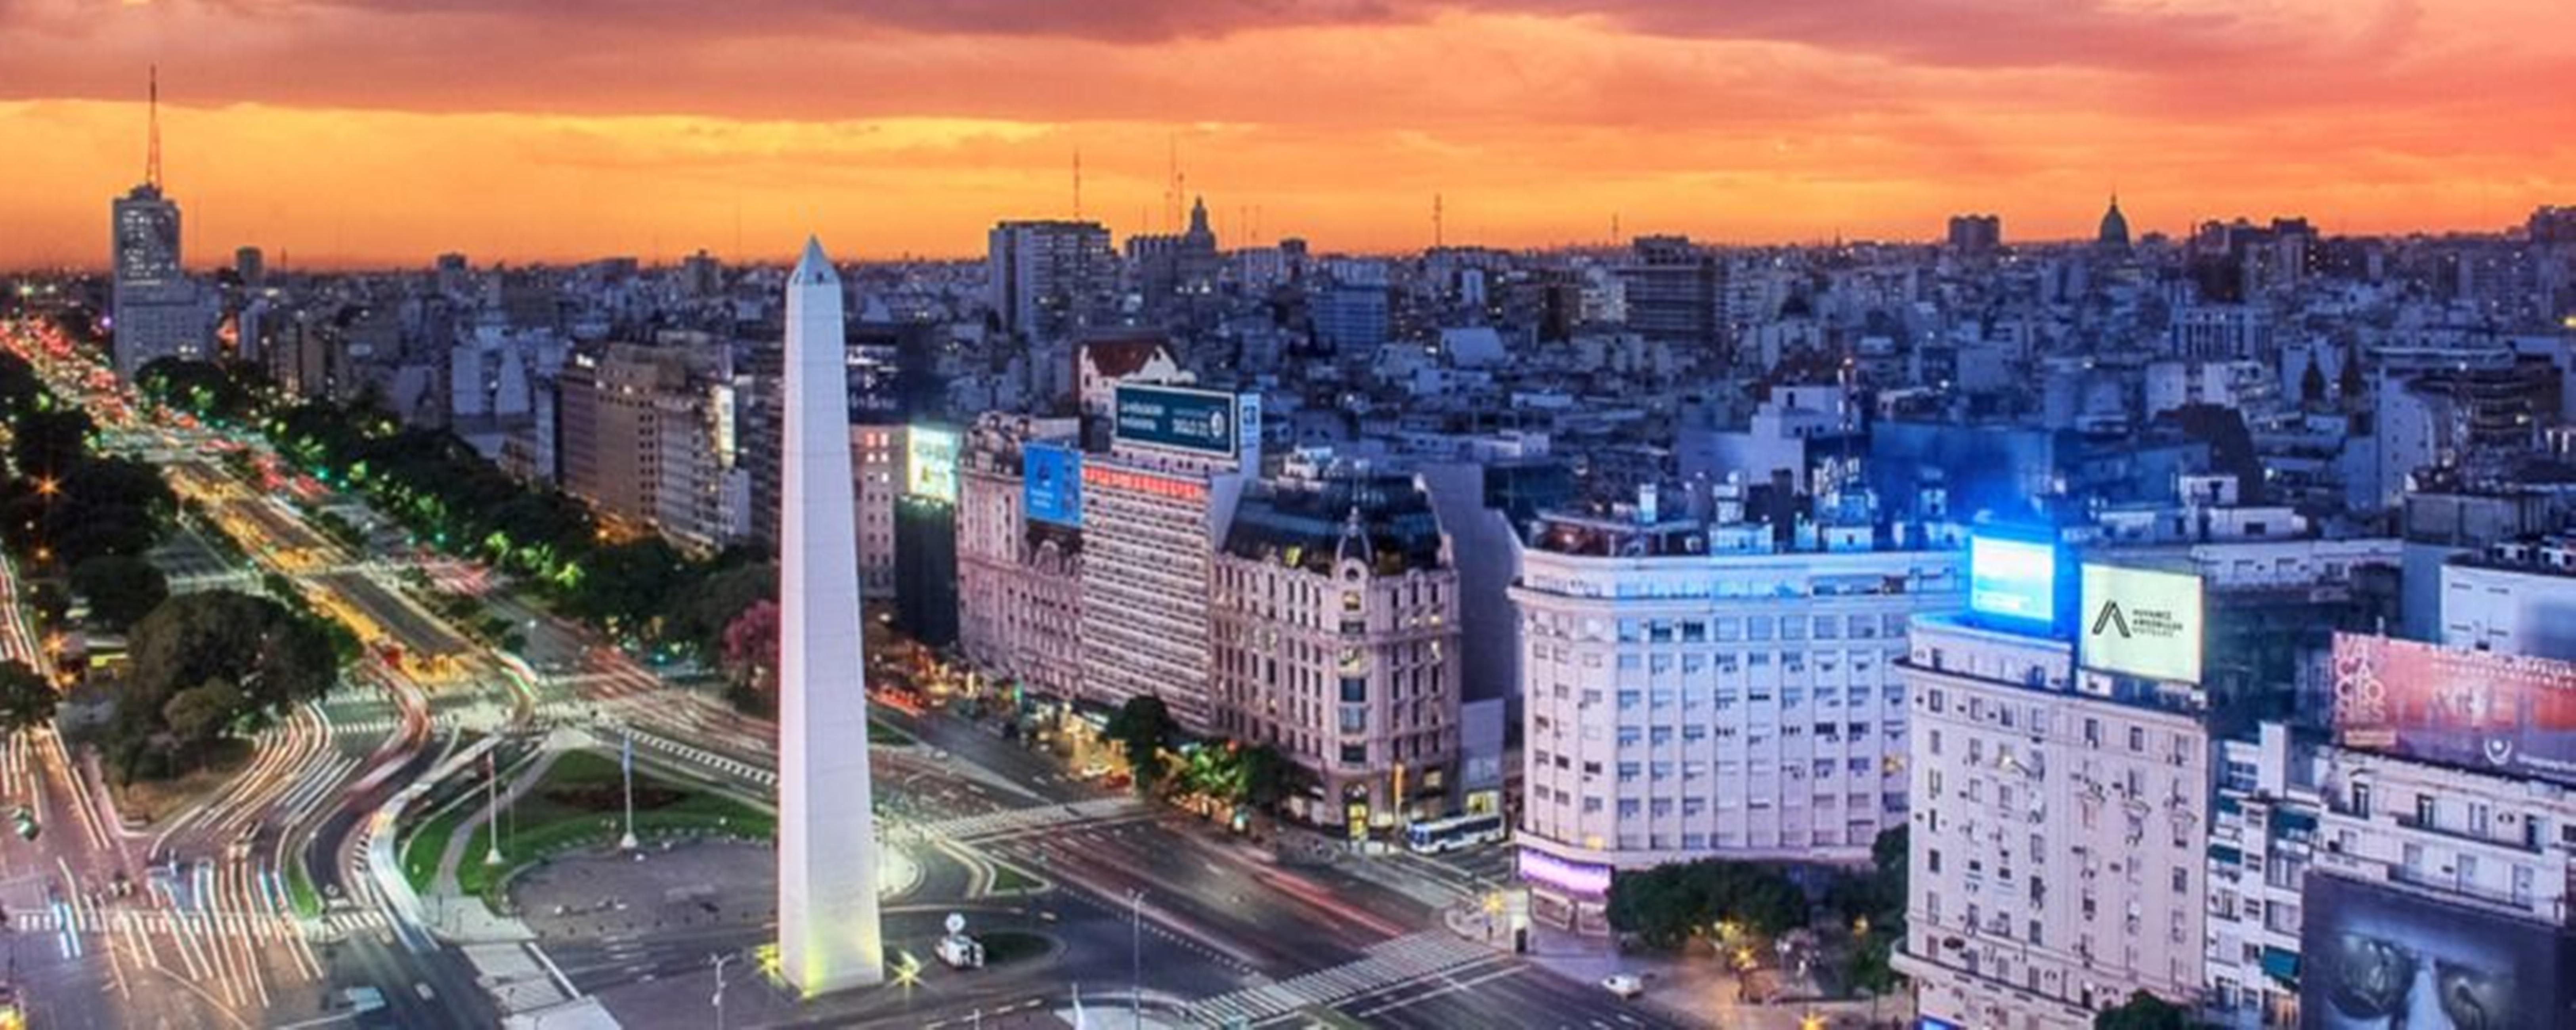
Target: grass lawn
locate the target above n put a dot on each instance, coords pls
(300, 894)
(1008, 879)
(581, 802)
(421, 852)
(880, 733)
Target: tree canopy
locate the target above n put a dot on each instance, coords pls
(1667, 905)
(26, 700)
(1143, 728)
(2143, 1011)
(205, 665)
(121, 590)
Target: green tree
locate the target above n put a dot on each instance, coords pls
(120, 590)
(1666, 905)
(47, 442)
(264, 656)
(1268, 776)
(26, 700)
(200, 714)
(1144, 728)
(2143, 1011)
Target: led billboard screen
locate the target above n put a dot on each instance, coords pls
(1174, 418)
(2013, 579)
(2376, 956)
(1051, 483)
(2140, 622)
(930, 463)
(2455, 706)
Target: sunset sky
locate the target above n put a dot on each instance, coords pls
(385, 131)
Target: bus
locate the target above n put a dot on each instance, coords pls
(1433, 836)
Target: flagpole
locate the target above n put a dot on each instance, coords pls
(626, 764)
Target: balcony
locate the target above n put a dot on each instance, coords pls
(2409, 821)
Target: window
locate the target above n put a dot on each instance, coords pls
(1354, 689)
(1934, 858)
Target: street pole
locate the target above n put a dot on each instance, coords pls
(719, 959)
(626, 765)
(492, 795)
(1136, 956)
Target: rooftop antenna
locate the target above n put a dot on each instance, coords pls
(1077, 184)
(1172, 184)
(1435, 222)
(152, 107)
(1614, 227)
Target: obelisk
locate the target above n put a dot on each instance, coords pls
(828, 937)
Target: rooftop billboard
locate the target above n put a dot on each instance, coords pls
(2013, 580)
(2458, 707)
(1176, 418)
(2141, 622)
(1051, 483)
(930, 463)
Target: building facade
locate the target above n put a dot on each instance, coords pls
(1335, 636)
(2059, 832)
(1690, 692)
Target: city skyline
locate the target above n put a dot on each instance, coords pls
(402, 134)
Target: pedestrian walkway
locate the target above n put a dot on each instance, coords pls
(1390, 963)
(266, 926)
(1038, 817)
(698, 756)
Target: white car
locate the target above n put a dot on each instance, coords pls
(1625, 985)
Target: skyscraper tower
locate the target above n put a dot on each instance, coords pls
(828, 935)
(154, 310)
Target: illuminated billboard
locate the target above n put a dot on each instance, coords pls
(1051, 483)
(930, 463)
(2014, 580)
(2373, 956)
(1181, 419)
(2457, 707)
(2140, 622)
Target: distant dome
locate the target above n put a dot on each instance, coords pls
(2115, 226)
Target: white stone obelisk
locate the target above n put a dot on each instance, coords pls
(828, 937)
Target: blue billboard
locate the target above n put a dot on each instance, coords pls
(1197, 421)
(2013, 580)
(1051, 483)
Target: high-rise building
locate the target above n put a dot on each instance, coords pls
(250, 266)
(1336, 641)
(829, 938)
(1176, 275)
(1047, 279)
(156, 310)
(1702, 687)
(647, 435)
(1976, 234)
(1673, 288)
(1153, 512)
(2059, 756)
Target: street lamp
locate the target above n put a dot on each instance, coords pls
(719, 959)
(1136, 956)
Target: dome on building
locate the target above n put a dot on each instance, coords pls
(2115, 226)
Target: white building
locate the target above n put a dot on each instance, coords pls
(2517, 598)
(2060, 830)
(1691, 692)
(155, 310)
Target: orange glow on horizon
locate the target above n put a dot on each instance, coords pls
(362, 132)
